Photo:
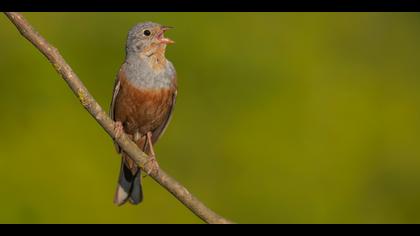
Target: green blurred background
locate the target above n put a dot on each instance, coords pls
(280, 118)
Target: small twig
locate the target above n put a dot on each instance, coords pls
(89, 103)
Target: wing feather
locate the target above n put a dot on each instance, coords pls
(117, 86)
(161, 129)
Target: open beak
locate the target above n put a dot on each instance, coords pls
(161, 36)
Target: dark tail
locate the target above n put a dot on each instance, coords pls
(129, 186)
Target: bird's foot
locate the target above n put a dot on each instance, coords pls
(119, 129)
(151, 165)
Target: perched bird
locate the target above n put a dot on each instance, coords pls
(143, 101)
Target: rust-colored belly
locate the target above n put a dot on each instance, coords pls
(142, 110)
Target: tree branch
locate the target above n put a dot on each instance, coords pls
(89, 103)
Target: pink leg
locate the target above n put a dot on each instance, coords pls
(152, 161)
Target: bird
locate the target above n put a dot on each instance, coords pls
(143, 101)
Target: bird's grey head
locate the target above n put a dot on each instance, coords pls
(146, 38)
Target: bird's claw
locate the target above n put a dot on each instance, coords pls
(119, 129)
(151, 165)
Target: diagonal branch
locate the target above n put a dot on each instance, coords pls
(89, 103)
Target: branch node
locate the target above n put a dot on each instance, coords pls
(82, 97)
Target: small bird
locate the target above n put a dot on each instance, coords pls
(142, 103)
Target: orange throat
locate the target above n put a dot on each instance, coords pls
(157, 56)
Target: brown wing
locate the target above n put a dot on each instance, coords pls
(115, 92)
(117, 86)
(161, 129)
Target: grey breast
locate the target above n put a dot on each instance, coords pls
(142, 75)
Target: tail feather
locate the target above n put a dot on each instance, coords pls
(136, 195)
(129, 186)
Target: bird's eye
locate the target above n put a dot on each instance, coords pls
(146, 32)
